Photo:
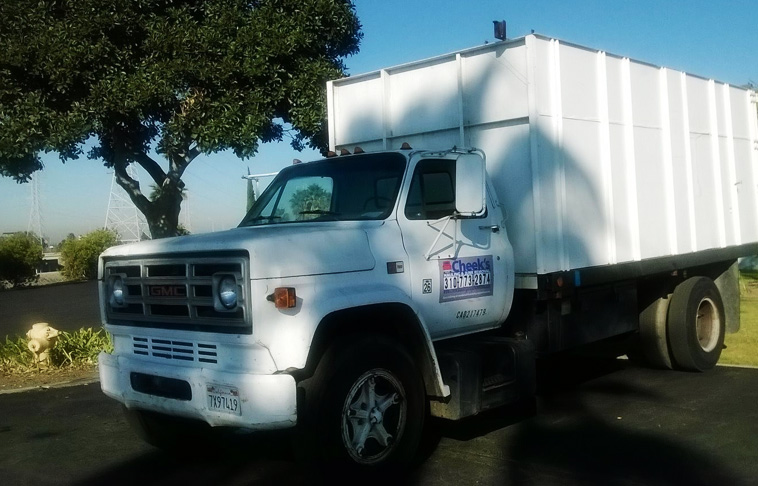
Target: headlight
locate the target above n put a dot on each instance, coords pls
(118, 292)
(227, 292)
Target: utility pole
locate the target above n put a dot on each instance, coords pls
(253, 190)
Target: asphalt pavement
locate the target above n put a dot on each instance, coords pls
(594, 422)
(65, 306)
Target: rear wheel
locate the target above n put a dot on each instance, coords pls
(652, 347)
(696, 324)
(367, 405)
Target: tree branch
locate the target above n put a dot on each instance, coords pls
(178, 163)
(131, 186)
(151, 167)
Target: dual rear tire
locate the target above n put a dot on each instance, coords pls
(684, 330)
(696, 324)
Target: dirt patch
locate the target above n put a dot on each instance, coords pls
(45, 378)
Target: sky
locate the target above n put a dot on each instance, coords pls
(713, 39)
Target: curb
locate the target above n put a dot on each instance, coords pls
(63, 384)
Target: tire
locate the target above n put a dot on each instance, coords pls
(171, 434)
(696, 325)
(367, 406)
(652, 348)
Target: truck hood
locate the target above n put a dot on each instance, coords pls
(275, 251)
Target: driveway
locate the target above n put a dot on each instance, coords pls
(594, 423)
(65, 306)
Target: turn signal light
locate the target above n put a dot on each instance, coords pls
(283, 297)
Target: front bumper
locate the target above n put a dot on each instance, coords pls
(266, 401)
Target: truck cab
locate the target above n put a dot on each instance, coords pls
(358, 262)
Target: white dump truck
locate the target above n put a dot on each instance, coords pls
(489, 207)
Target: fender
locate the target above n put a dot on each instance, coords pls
(292, 345)
(373, 298)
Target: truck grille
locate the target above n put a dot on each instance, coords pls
(176, 350)
(178, 294)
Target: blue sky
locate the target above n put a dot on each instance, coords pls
(714, 39)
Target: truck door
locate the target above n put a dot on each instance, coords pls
(458, 265)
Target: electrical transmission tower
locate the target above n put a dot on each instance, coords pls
(35, 217)
(123, 217)
(185, 216)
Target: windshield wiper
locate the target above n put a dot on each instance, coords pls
(320, 212)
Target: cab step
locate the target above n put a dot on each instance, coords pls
(484, 373)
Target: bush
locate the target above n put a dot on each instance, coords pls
(20, 254)
(15, 355)
(72, 349)
(80, 255)
(80, 347)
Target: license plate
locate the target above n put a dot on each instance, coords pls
(224, 399)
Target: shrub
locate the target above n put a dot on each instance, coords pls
(80, 255)
(20, 254)
(78, 348)
(15, 355)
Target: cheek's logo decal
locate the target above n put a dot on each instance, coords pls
(465, 278)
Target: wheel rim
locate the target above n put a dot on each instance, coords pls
(373, 416)
(708, 325)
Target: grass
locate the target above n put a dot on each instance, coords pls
(72, 349)
(742, 347)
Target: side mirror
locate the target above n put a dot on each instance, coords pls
(470, 185)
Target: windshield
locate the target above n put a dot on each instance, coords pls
(348, 188)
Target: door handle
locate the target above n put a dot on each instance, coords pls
(494, 228)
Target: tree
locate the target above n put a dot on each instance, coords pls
(182, 77)
(79, 256)
(20, 255)
(59, 246)
(312, 198)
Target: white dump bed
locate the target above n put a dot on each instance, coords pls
(598, 159)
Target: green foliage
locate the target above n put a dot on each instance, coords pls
(79, 256)
(20, 254)
(742, 347)
(15, 355)
(78, 348)
(59, 246)
(187, 77)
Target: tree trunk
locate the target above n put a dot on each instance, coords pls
(163, 216)
(162, 213)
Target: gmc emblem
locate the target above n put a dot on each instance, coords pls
(167, 291)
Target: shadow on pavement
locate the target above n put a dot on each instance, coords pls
(569, 434)
(263, 458)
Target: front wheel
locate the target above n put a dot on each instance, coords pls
(368, 404)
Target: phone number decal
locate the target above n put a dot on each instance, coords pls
(464, 278)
